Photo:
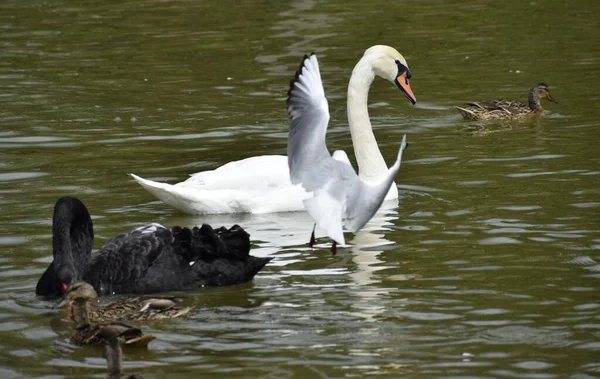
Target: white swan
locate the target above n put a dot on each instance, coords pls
(340, 197)
(262, 184)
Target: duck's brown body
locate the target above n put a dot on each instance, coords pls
(89, 323)
(86, 332)
(128, 335)
(127, 309)
(507, 109)
(138, 309)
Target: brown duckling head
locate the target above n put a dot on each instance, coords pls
(79, 295)
(110, 335)
(113, 351)
(81, 290)
(536, 94)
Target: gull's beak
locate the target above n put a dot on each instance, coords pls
(402, 83)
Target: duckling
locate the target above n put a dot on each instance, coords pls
(508, 109)
(110, 335)
(86, 333)
(129, 309)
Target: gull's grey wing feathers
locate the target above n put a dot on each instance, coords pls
(308, 114)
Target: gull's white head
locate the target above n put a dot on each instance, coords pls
(389, 64)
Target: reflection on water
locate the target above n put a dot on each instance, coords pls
(365, 252)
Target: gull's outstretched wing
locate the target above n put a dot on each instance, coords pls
(308, 158)
(308, 114)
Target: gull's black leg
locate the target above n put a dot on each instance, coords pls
(333, 247)
(312, 241)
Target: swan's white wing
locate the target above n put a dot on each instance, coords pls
(259, 184)
(150, 228)
(308, 114)
(249, 173)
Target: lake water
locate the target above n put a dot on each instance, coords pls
(487, 267)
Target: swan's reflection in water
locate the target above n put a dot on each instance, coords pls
(365, 243)
(285, 236)
(283, 232)
(366, 256)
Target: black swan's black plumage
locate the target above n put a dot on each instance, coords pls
(146, 260)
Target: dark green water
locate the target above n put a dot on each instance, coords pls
(489, 266)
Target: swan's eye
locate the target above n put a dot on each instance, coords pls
(402, 68)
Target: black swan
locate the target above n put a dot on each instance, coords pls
(149, 259)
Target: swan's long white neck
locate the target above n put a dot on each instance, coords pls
(371, 165)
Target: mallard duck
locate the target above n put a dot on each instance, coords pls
(110, 335)
(149, 259)
(86, 332)
(505, 109)
(126, 309)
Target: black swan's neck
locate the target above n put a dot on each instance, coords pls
(72, 238)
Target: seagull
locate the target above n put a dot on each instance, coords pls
(339, 197)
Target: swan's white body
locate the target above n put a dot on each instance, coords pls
(262, 184)
(253, 185)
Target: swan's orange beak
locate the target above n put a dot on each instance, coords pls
(64, 287)
(402, 83)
